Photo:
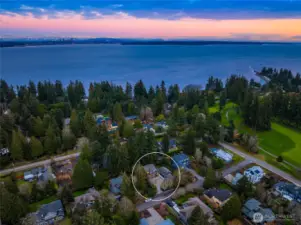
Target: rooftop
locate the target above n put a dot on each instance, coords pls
(115, 184)
(150, 168)
(50, 211)
(133, 117)
(220, 194)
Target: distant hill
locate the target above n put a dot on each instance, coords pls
(122, 41)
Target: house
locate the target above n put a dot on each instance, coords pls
(252, 206)
(63, 171)
(87, 199)
(148, 127)
(187, 208)
(172, 144)
(50, 213)
(162, 124)
(237, 177)
(4, 151)
(289, 191)
(151, 170)
(181, 160)
(164, 172)
(217, 197)
(221, 154)
(115, 185)
(131, 118)
(254, 174)
(35, 173)
(151, 217)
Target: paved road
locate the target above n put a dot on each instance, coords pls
(263, 164)
(236, 167)
(37, 164)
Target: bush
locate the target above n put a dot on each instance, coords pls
(100, 179)
(217, 163)
(280, 159)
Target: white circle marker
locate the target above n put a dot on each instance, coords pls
(150, 153)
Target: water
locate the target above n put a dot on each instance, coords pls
(174, 64)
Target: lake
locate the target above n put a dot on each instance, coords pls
(118, 63)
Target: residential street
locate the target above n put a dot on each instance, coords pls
(37, 164)
(263, 164)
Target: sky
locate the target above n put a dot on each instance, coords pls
(273, 20)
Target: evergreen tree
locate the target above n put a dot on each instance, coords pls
(151, 94)
(189, 144)
(129, 90)
(89, 123)
(117, 112)
(197, 217)
(68, 139)
(16, 148)
(36, 147)
(75, 124)
(232, 208)
(165, 143)
(38, 127)
(66, 195)
(210, 179)
(32, 88)
(82, 176)
(127, 188)
(128, 129)
(51, 142)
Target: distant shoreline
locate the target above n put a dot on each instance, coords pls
(26, 43)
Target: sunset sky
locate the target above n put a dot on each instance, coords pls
(192, 19)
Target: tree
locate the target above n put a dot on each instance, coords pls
(75, 124)
(128, 129)
(141, 176)
(93, 218)
(117, 112)
(66, 195)
(129, 90)
(51, 142)
(82, 176)
(210, 179)
(68, 139)
(89, 123)
(204, 148)
(16, 148)
(189, 144)
(126, 207)
(100, 179)
(12, 207)
(138, 124)
(217, 163)
(245, 187)
(127, 188)
(38, 127)
(231, 209)
(165, 143)
(197, 217)
(36, 147)
(167, 184)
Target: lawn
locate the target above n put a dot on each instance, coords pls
(65, 221)
(184, 198)
(283, 141)
(280, 140)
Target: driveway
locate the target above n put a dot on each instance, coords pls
(236, 167)
(263, 164)
(157, 181)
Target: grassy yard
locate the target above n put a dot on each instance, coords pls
(184, 198)
(65, 221)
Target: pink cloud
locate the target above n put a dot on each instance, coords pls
(121, 24)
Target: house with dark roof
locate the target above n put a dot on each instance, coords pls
(50, 213)
(217, 197)
(86, 200)
(289, 191)
(252, 206)
(4, 151)
(115, 185)
(182, 160)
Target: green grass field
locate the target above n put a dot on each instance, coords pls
(280, 140)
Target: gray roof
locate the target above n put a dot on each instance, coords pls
(164, 172)
(54, 209)
(150, 168)
(220, 194)
(252, 204)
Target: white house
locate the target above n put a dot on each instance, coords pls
(254, 174)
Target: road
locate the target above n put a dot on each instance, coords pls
(37, 164)
(263, 164)
(236, 167)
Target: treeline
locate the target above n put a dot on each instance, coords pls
(259, 108)
(282, 79)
